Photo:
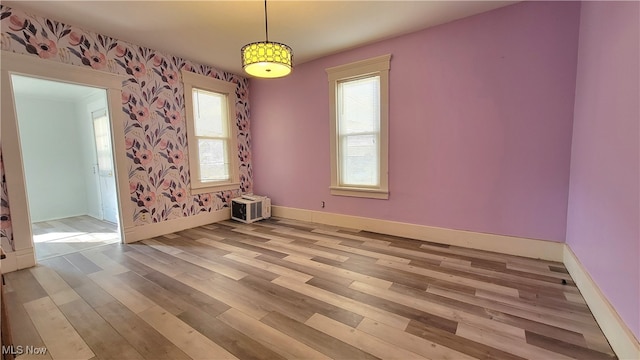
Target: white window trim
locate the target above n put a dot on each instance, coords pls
(374, 66)
(193, 80)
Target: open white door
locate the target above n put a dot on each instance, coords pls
(104, 166)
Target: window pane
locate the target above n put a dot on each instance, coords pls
(359, 160)
(210, 113)
(103, 141)
(359, 105)
(213, 160)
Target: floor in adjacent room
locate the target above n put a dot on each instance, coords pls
(285, 289)
(69, 235)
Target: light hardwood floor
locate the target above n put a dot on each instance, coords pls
(69, 235)
(283, 289)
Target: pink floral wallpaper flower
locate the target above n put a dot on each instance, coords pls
(153, 104)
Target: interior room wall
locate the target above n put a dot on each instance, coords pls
(480, 125)
(50, 141)
(604, 194)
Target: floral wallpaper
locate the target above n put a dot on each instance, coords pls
(6, 235)
(153, 104)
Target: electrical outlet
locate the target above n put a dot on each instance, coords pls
(322, 205)
(144, 217)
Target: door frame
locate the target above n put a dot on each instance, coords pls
(27, 65)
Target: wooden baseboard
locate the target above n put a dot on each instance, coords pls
(512, 245)
(148, 231)
(16, 260)
(622, 340)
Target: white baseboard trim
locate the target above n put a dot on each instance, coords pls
(622, 340)
(148, 231)
(16, 260)
(512, 245)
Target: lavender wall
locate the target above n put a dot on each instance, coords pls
(604, 196)
(480, 125)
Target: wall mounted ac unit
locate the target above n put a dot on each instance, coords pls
(250, 208)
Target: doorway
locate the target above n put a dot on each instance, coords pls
(21, 252)
(65, 140)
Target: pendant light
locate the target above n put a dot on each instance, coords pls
(267, 59)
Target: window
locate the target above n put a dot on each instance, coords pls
(359, 109)
(211, 133)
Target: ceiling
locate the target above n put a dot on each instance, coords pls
(212, 32)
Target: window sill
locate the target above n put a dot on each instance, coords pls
(215, 188)
(360, 192)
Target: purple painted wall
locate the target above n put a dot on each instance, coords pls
(604, 196)
(480, 125)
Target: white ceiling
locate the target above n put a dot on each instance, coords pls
(212, 32)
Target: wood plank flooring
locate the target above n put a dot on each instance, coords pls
(70, 235)
(281, 289)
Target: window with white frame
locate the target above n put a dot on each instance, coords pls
(211, 133)
(359, 104)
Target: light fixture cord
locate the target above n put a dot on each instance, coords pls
(266, 26)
